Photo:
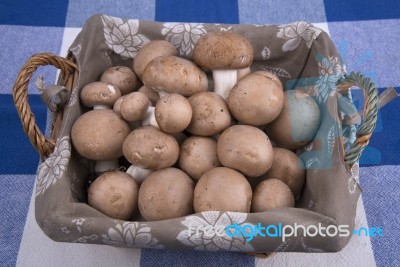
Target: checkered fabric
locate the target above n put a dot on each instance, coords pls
(367, 34)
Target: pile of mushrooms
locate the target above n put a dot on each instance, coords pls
(193, 144)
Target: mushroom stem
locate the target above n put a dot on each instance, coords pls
(224, 80)
(104, 166)
(150, 118)
(138, 173)
(101, 107)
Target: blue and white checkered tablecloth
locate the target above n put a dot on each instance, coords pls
(367, 34)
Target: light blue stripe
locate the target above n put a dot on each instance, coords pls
(15, 192)
(18, 44)
(279, 12)
(80, 11)
(381, 195)
(371, 47)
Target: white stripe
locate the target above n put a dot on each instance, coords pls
(358, 252)
(69, 36)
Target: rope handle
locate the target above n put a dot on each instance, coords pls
(371, 104)
(44, 145)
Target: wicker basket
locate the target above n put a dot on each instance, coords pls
(55, 211)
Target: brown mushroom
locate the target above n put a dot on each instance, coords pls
(173, 113)
(122, 77)
(288, 168)
(223, 53)
(150, 148)
(210, 114)
(166, 194)
(171, 74)
(256, 99)
(150, 51)
(222, 189)
(99, 95)
(198, 155)
(134, 106)
(98, 135)
(115, 194)
(271, 194)
(246, 149)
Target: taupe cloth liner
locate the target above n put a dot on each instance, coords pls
(64, 216)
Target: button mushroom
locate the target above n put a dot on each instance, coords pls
(210, 114)
(198, 155)
(98, 135)
(166, 194)
(298, 122)
(257, 99)
(288, 168)
(246, 149)
(271, 194)
(223, 53)
(122, 77)
(134, 106)
(222, 189)
(171, 74)
(149, 148)
(150, 51)
(99, 95)
(115, 194)
(173, 113)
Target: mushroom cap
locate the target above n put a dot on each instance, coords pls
(223, 50)
(222, 189)
(171, 74)
(122, 77)
(134, 106)
(246, 149)
(198, 155)
(271, 194)
(99, 93)
(150, 148)
(298, 122)
(166, 194)
(257, 98)
(150, 51)
(288, 168)
(115, 194)
(210, 114)
(173, 113)
(151, 94)
(99, 134)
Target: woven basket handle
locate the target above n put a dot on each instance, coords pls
(41, 143)
(365, 130)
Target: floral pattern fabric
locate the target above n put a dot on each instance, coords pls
(183, 35)
(131, 234)
(296, 33)
(53, 168)
(122, 37)
(215, 219)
